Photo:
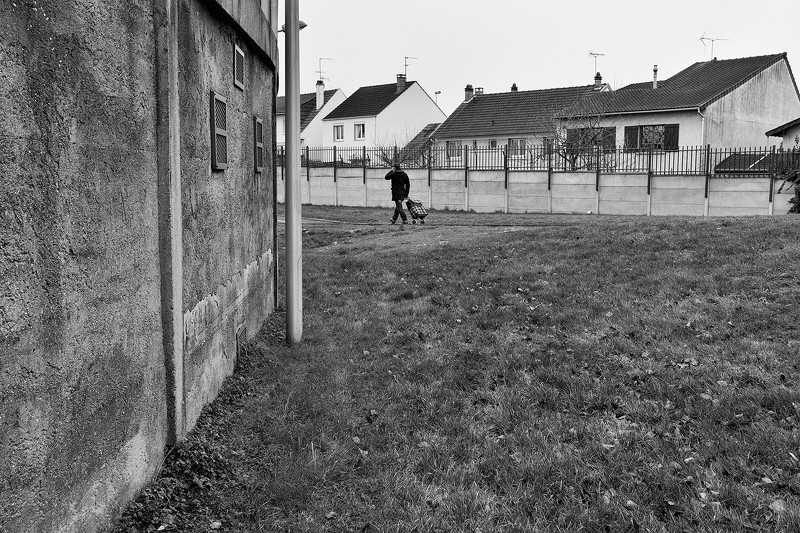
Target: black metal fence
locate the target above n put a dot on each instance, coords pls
(687, 160)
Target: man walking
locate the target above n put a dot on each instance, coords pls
(400, 189)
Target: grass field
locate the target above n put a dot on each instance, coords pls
(511, 373)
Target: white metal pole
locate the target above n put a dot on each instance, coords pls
(294, 245)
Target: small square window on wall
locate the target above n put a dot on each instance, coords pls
(338, 132)
(359, 132)
(219, 132)
(238, 67)
(258, 144)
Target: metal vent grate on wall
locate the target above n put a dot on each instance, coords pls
(219, 132)
(258, 138)
(238, 67)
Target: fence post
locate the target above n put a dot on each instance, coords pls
(649, 178)
(335, 182)
(597, 181)
(430, 176)
(771, 180)
(549, 177)
(505, 171)
(708, 178)
(364, 172)
(308, 175)
(283, 164)
(466, 177)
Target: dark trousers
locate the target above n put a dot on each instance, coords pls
(398, 210)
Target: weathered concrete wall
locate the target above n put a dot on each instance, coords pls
(84, 384)
(570, 192)
(227, 215)
(82, 391)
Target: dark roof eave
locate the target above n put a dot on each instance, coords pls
(780, 130)
(638, 112)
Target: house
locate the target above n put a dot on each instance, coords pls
(728, 102)
(789, 132)
(381, 115)
(313, 106)
(516, 119)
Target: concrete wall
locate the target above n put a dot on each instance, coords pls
(90, 227)
(527, 192)
(227, 215)
(764, 102)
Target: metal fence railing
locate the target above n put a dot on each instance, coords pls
(686, 160)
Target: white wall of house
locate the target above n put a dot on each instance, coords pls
(791, 139)
(690, 125)
(397, 124)
(741, 117)
(313, 133)
(349, 125)
(405, 117)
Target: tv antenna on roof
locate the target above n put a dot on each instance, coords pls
(594, 55)
(405, 67)
(320, 71)
(703, 39)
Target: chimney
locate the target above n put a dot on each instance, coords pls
(478, 91)
(655, 76)
(513, 87)
(401, 83)
(468, 92)
(598, 82)
(320, 94)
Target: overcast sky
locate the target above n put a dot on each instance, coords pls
(537, 45)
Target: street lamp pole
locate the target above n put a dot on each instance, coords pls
(294, 245)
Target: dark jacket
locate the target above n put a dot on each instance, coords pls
(400, 184)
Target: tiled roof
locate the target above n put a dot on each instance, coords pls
(694, 87)
(780, 130)
(308, 106)
(758, 162)
(510, 113)
(419, 142)
(367, 101)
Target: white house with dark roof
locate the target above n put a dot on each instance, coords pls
(515, 119)
(313, 106)
(789, 134)
(381, 115)
(727, 103)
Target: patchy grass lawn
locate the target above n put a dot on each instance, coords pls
(577, 373)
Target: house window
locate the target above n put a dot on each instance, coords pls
(656, 137)
(492, 144)
(219, 132)
(238, 67)
(359, 132)
(338, 132)
(588, 137)
(258, 144)
(516, 147)
(453, 148)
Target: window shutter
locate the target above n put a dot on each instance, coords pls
(671, 137)
(219, 132)
(631, 137)
(238, 67)
(258, 141)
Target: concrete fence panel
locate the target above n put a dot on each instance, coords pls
(738, 196)
(780, 202)
(487, 191)
(677, 195)
(573, 192)
(527, 192)
(447, 189)
(623, 194)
